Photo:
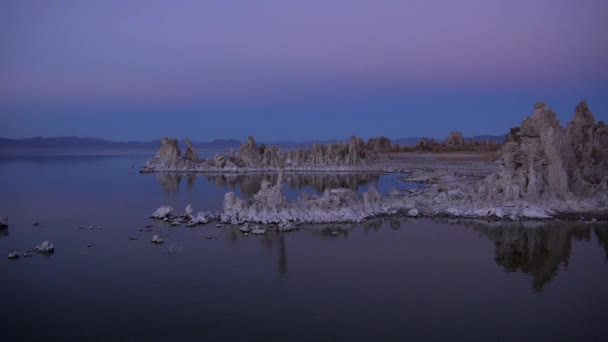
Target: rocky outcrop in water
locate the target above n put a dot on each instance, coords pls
(343, 156)
(542, 162)
(544, 170)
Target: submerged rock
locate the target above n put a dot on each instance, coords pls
(3, 221)
(45, 247)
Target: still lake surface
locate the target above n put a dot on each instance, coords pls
(390, 279)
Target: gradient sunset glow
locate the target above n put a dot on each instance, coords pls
(120, 69)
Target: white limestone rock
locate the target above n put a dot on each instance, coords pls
(156, 239)
(162, 212)
(188, 212)
(14, 255)
(245, 228)
(286, 226)
(256, 230)
(413, 212)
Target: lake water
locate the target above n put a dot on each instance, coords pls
(392, 279)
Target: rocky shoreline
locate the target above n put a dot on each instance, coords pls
(543, 171)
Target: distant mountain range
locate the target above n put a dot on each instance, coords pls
(80, 144)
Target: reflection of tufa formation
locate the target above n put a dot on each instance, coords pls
(537, 250)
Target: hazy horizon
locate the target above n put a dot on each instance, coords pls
(309, 71)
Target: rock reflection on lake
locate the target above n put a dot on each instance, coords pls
(539, 250)
(248, 184)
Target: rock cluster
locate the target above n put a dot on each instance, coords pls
(341, 156)
(542, 162)
(379, 145)
(455, 142)
(165, 213)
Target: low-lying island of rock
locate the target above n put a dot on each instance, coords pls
(542, 171)
(354, 155)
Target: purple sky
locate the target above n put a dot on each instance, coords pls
(210, 69)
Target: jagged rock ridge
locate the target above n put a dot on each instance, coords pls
(542, 161)
(345, 156)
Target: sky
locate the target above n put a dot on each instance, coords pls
(295, 70)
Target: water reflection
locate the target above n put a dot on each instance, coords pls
(602, 237)
(250, 183)
(170, 182)
(537, 249)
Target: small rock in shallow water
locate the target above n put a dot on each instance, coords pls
(133, 238)
(45, 247)
(162, 212)
(245, 228)
(413, 212)
(36, 223)
(14, 255)
(287, 226)
(258, 231)
(156, 239)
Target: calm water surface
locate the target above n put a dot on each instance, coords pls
(386, 280)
